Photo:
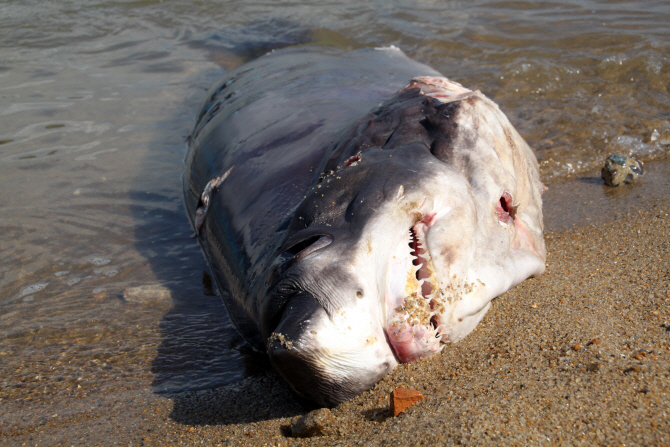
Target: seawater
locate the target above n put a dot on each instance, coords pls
(97, 98)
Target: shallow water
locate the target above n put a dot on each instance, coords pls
(97, 97)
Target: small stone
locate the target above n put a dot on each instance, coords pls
(593, 367)
(595, 341)
(403, 398)
(639, 355)
(146, 294)
(619, 169)
(577, 347)
(319, 422)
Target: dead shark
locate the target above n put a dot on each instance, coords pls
(358, 210)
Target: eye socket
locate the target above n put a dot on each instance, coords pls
(309, 245)
(505, 208)
(295, 253)
(300, 246)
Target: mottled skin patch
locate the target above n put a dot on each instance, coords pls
(281, 339)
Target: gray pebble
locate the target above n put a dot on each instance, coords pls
(319, 422)
(619, 169)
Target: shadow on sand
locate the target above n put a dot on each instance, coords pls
(202, 363)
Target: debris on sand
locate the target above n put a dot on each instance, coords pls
(147, 294)
(402, 399)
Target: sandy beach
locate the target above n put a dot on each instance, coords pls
(111, 332)
(577, 356)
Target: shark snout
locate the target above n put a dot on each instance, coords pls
(325, 357)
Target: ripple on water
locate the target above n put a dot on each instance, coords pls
(630, 146)
(33, 289)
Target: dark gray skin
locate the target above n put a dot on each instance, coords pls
(306, 157)
(274, 121)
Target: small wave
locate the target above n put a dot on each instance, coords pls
(33, 289)
(631, 146)
(22, 107)
(94, 155)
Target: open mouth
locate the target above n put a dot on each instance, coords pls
(414, 298)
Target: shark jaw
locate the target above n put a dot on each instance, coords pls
(420, 307)
(413, 298)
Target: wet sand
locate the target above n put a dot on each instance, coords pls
(577, 356)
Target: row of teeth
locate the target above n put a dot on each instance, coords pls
(426, 260)
(410, 307)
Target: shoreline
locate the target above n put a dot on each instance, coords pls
(579, 355)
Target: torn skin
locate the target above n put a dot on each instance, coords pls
(203, 203)
(505, 209)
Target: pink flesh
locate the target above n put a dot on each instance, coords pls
(411, 343)
(505, 208)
